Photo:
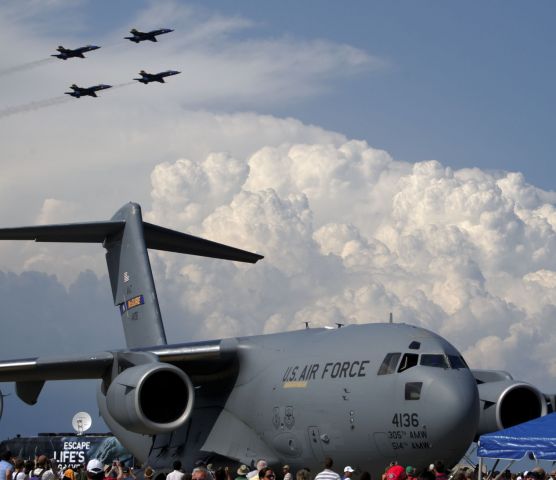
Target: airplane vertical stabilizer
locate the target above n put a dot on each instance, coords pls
(132, 280)
(126, 239)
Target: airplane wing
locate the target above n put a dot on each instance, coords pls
(198, 358)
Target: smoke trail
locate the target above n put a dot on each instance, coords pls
(25, 66)
(125, 84)
(31, 106)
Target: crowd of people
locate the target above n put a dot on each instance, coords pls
(13, 468)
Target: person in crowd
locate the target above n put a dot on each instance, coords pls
(229, 474)
(200, 473)
(95, 469)
(69, 474)
(80, 472)
(395, 472)
(218, 474)
(261, 463)
(19, 470)
(439, 470)
(540, 472)
(107, 471)
(327, 473)
(148, 473)
(348, 472)
(176, 474)
(127, 473)
(365, 476)
(29, 466)
(266, 473)
(242, 472)
(286, 472)
(44, 469)
(6, 468)
(470, 474)
(411, 472)
(426, 474)
(303, 474)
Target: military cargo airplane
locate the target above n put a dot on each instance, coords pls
(363, 394)
(66, 53)
(155, 77)
(79, 92)
(142, 36)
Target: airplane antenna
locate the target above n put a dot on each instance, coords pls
(340, 325)
(306, 324)
(391, 318)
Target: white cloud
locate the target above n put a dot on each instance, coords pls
(350, 235)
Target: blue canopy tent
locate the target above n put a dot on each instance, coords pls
(537, 437)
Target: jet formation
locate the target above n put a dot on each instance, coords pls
(78, 92)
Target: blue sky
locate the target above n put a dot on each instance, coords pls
(314, 118)
(465, 83)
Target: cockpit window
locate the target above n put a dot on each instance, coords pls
(413, 390)
(389, 364)
(408, 360)
(457, 362)
(434, 360)
(415, 345)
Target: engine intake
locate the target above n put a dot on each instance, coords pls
(507, 403)
(151, 398)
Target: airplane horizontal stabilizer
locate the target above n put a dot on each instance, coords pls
(160, 238)
(157, 238)
(90, 232)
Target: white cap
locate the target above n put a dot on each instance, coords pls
(95, 466)
(349, 469)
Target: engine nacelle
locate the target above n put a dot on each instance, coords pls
(507, 403)
(150, 398)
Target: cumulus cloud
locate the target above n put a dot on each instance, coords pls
(349, 235)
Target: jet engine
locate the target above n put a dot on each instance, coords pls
(506, 403)
(151, 398)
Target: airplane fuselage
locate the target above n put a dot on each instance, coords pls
(298, 396)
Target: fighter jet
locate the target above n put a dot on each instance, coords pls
(66, 53)
(363, 394)
(79, 92)
(155, 77)
(141, 36)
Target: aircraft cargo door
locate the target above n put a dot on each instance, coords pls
(315, 442)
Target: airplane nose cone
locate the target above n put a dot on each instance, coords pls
(452, 401)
